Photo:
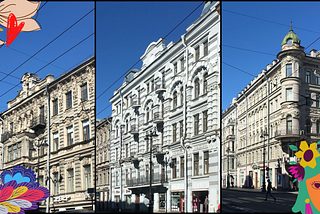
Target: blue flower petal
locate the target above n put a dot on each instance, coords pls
(25, 179)
(7, 178)
(17, 177)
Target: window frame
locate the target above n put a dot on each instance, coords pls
(84, 92)
(69, 99)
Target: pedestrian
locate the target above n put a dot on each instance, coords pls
(206, 202)
(269, 190)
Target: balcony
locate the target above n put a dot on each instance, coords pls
(160, 88)
(38, 122)
(290, 135)
(5, 136)
(135, 103)
(158, 117)
(146, 180)
(134, 129)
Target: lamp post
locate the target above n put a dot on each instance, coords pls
(41, 143)
(228, 182)
(264, 162)
(149, 137)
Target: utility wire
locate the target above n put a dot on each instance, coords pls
(269, 21)
(54, 60)
(140, 59)
(47, 44)
(229, 46)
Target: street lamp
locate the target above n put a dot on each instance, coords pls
(264, 162)
(152, 134)
(41, 143)
(228, 182)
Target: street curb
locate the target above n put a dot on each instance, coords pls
(257, 191)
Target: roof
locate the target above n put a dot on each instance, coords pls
(291, 35)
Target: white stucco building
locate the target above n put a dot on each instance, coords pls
(175, 94)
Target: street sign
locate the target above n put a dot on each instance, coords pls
(267, 169)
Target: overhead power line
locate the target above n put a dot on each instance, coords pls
(53, 60)
(140, 59)
(47, 44)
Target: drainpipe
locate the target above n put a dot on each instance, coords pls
(235, 143)
(2, 150)
(246, 135)
(121, 121)
(268, 117)
(48, 141)
(110, 174)
(185, 128)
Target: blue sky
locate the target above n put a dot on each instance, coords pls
(124, 31)
(54, 18)
(261, 27)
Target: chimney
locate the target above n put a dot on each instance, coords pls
(269, 66)
(313, 53)
(274, 62)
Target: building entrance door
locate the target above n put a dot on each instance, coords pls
(137, 203)
(198, 199)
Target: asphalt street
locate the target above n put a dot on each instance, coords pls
(234, 201)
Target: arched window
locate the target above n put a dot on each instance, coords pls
(289, 124)
(196, 88)
(308, 126)
(127, 125)
(205, 83)
(147, 114)
(175, 99)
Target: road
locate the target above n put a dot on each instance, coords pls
(234, 201)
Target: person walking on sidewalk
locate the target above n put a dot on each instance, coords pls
(269, 190)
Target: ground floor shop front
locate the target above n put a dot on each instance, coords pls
(279, 177)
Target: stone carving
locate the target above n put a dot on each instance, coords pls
(69, 165)
(85, 161)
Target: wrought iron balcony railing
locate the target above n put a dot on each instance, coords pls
(38, 122)
(146, 180)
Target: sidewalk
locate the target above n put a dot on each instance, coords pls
(257, 190)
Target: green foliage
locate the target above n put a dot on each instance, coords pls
(293, 148)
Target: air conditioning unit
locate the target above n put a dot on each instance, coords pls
(301, 132)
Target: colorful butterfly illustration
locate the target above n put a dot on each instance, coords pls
(19, 191)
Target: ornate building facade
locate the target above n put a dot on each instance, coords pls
(169, 111)
(102, 160)
(56, 117)
(278, 108)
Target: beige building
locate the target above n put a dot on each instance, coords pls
(102, 163)
(280, 107)
(60, 113)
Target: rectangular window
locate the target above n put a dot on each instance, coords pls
(55, 184)
(70, 136)
(182, 64)
(196, 164)
(317, 101)
(181, 129)
(55, 141)
(196, 124)
(205, 121)
(205, 48)
(69, 99)
(117, 179)
(55, 107)
(84, 92)
(289, 70)
(174, 132)
(289, 94)
(87, 177)
(147, 88)
(11, 128)
(10, 152)
(307, 77)
(19, 150)
(308, 99)
(197, 53)
(174, 168)
(86, 134)
(152, 85)
(206, 162)
(116, 155)
(175, 68)
(317, 79)
(70, 180)
(181, 167)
